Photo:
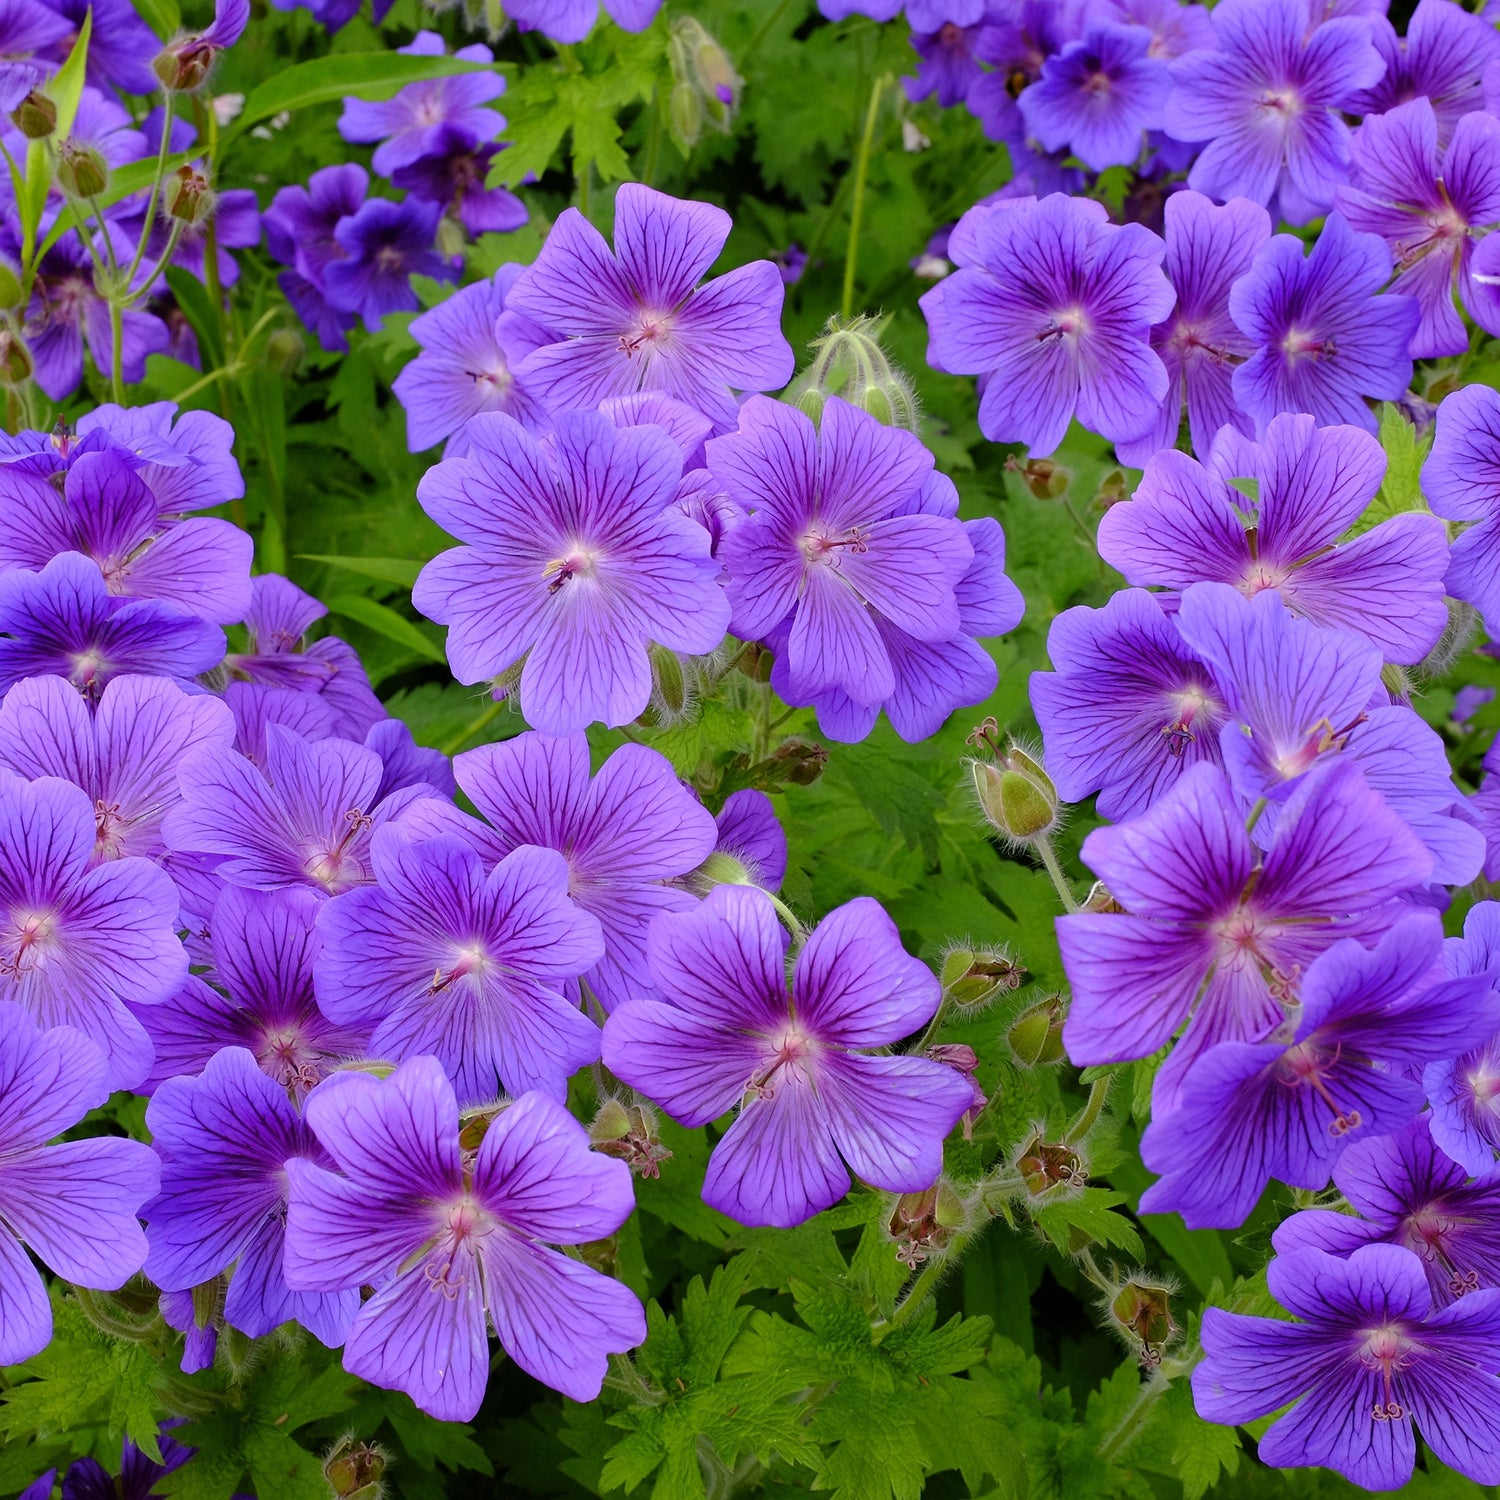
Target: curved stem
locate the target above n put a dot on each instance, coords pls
(1048, 857)
(792, 920)
(861, 174)
(483, 721)
(156, 181)
(1086, 1121)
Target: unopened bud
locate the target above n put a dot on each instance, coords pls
(703, 74)
(1113, 488)
(285, 351)
(185, 65)
(1044, 478)
(1016, 795)
(849, 362)
(923, 1224)
(16, 363)
(671, 686)
(630, 1133)
(354, 1468)
(721, 868)
(1099, 899)
(972, 979)
(1142, 1312)
(685, 114)
(1046, 1166)
(474, 1125)
(451, 236)
(81, 171)
(189, 196)
(1035, 1036)
(798, 762)
(35, 116)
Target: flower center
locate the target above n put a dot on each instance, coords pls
(1306, 1065)
(1320, 739)
(793, 1048)
(31, 934)
(577, 562)
(1070, 322)
(1179, 734)
(328, 866)
(468, 959)
(1484, 1088)
(1301, 343)
(650, 331)
(1280, 104)
(820, 546)
(1386, 1351)
(390, 259)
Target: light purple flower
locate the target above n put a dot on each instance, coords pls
(1188, 523)
(1098, 95)
(637, 319)
(385, 244)
(947, 67)
(26, 28)
(78, 940)
(1339, 1069)
(1428, 209)
(628, 834)
(1267, 102)
(186, 459)
(73, 1204)
(1130, 708)
(121, 44)
(415, 122)
(1175, 27)
(576, 563)
(1407, 1192)
(1214, 927)
(1371, 1363)
(224, 1139)
(1208, 249)
(834, 542)
(124, 754)
(445, 1244)
(445, 958)
(255, 993)
(571, 21)
(306, 819)
(751, 834)
(1052, 304)
(1461, 481)
(1016, 46)
(469, 347)
(1326, 338)
(813, 1096)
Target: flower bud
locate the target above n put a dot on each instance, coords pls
(673, 686)
(798, 762)
(81, 171)
(962, 1059)
(474, 1124)
(16, 364)
(1141, 1311)
(35, 116)
(354, 1468)
(1099, 899)
(849, 362)
(285, 351)
(629, 1133)
(1016, 795)
(1044, 478)
(1046, 1166)
(973, 979)
(685, 115)
(923, 1224)
(706, 88)
(184, 65)
(1035, 1036)
(189, 196)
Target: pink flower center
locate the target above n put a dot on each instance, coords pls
(578, 562)
(1300, 343)
(1386, 1351)
(1179, 734)
(649, 332)
(822, 546)
(469, 959)
(31, 934)
(792, 1049)
(333, 867)
(1306, 1065)
(1069, 323)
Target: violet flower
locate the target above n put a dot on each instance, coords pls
(385, 244)
(299, 228)
(453, 175)
(569, 21)
(751, 847)
(447, 1244)
(1461, 482)
(813, 1096)
(186, 459)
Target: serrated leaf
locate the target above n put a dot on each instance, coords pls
(1091, 1215)
(1401, 489)
(383, 620)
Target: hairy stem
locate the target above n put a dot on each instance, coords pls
(1048, 857)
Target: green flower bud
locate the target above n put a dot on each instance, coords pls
(705, 87)
(630, 1133)
(672, 686)
(15, 359)
(685, 115)
(1035, 1036)
(972, 979)
(354, 1468)
(189, 196)
(1141, 1311)
(1016, 795)
(81, 171)
(285, 351)
(849, 362)
(35, 116)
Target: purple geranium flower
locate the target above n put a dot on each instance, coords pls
(124, 754)
(1326, 338)
(1407, 1192)
(833, 542)
(812, 1097)
(1267, 101)
(87, 1478)
(306, 819)
(1188, 523)
(751, 836)
(1175, 27)
(637, 319)
(576, 563)
(1428, 207)
(1052, 304)
(421, 116)
(385, 244)
(1016, 45)
(1208, 248)
(74, 1204)
(1371, 1363)
(1461, 480)
(443, 958)
(224, 1139)
(469, 347)
(1098, 95)
(25, 28)
(1301, 695)
(446, 1242)
(63, 620)
(627, 835)
(185, 62)
(948, 66)
(453, 175)
(299, 228)
(78, 940)
(1442, 59)
(1464, 1090)
(121, 44)
(256, 993)
(277, 623)
(571, 21)
(186, 459)
(1130, 707)
(104, 510)
(1339, 1068)
(1217, 928)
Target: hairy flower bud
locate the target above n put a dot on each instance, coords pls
(705, 89)
(354, 1468)
(923, 1224)
(798, 762)
(81, 170)
(189, 196)
(674, 686)
(630, 1133)
(973, 979)
(1016, 795)
(1035, 1036)
(685, 115)
(1141, 1311)
(285, 351)
(35, 116)
(16, 364)
(1047, 1166)
(848, 362)
(1045, 478)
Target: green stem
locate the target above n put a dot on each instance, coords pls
(1134, 1419)
(1048, 857)
(116, 352)
(792, 920)
(934, 1025)
(480, 724)
(156, 181)
(1255, 813)
(861, 175)
(1098, 1092)
(764, 30)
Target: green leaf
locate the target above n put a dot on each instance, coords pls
(1401, 489)
(1090, 1216)
(164, 17)
(65, 88)
(362, 75)
(1201, 1450)
(383, 620)
(385, 569)
(193, 299)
